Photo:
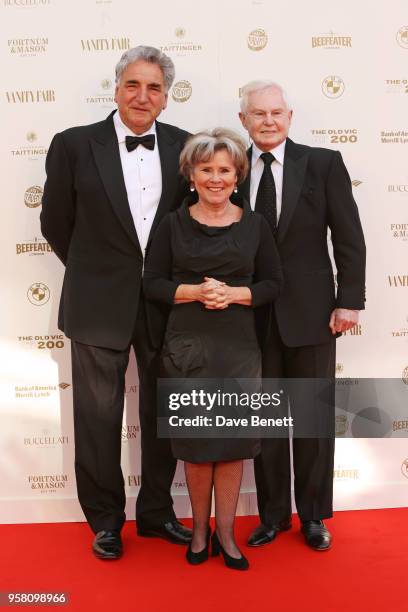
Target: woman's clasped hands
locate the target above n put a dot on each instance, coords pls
(215, 295)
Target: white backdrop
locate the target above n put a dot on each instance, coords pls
(345, 67)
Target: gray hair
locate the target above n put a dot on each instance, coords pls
(253, 86)
(151, 55)
(202, 146)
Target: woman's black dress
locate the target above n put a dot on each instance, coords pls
(202, 343)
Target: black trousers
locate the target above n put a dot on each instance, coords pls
(98, 376)
(313, 458)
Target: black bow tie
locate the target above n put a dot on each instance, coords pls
(134, 141)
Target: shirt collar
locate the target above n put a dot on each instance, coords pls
(278, 153)
(122, 130)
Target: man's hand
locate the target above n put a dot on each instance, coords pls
(343, 319)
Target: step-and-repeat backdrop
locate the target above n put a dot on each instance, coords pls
(345, 68)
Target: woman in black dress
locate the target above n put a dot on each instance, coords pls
(214, 261)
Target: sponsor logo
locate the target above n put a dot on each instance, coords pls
(37, 246)
(396, 86)
(181, 91)
(346, 473)
(33, 196)
(353, 331)
(405, 376)
(30, 96)
(180, 485)
(404, 468)
(397, 280)
(130, 432)
(399, 425)
(27, 47)
(120, 43)
(180, 46)
(257, 39)
(131, 389)
(38, 391)
(330, 40)
(402, 37)
(47, 483)
(103, 94)
(26, 3)
(134, 480)
(46, 441)
(402, 332)
(394, 137)
(30, 152)
(341, 425)
(339, 368)
(333, 86)
(334, 136)
(347, 382)
(38, 294)
(356, 183)
(399, 230)
(397, 188)
(52, 341)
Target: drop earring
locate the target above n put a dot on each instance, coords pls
(192, 188)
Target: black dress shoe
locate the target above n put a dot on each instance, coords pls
(196, 558)
(107, 545)
(263, 535)
(316, 535)
(232, 562)
(173, 531)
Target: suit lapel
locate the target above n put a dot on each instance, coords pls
(294, 169)
(245, 187)
(105, 148)
(169, 151)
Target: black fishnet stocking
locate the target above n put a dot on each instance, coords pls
(199, 478)
(227, 484)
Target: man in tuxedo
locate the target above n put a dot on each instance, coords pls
(108, 185)
(302, 191)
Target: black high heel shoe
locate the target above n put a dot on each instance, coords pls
(231, 562)
(195, 558)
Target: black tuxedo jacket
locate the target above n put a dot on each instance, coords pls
(87, 220)
(316, 195)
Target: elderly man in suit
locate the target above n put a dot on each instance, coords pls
(302, 191)
(108, 185)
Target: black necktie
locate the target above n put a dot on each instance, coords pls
(266, 197)
(134, 141)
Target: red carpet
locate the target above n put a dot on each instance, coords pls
(365, 570)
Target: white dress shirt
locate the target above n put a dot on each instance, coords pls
(257, 167)
(143, 179)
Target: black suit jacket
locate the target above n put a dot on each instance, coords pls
(87, 220)
(316, 195)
